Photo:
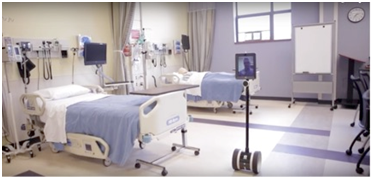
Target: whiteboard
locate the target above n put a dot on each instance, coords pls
(313, 49)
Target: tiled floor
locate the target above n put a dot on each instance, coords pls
(305, 140)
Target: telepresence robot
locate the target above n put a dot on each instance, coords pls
(244, 159)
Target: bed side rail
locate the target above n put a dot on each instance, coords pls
(31, 106)
(169, 79)
(169, 113)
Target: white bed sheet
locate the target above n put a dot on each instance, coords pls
(54, 115)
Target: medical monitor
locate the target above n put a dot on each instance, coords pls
(185, 42)
(94, 53)
(245, 66)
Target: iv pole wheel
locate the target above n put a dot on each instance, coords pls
(137, 165)
(230, 105)
(106, 162)
(164, 172)
(39, 147)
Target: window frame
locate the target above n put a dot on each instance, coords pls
(271, 14)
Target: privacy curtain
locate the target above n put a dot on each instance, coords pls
(201, 25)
(122, 19)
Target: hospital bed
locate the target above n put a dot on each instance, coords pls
(216, 88)
(86, 122)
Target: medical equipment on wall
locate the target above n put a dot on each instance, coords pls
(26, 65)
(47, 67)
(74, 50)
(246, 160)
(82, 39)
(185, 48)
(161, 51)
(12, 53)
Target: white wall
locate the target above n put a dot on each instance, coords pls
(62, 21)
(164, 23)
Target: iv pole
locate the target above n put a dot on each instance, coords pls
(17, 149)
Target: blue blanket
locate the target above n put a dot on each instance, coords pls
(115, 119)
(219, 86)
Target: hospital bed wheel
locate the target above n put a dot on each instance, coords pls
(250, 112)
(173, 148)
(348, 152)
(137, 165)
(241, 106)
(230, 105)
(352, 124)
(256, 107)
(39, 147)
(234, 112)
(8, 159)
(196, 152)
(53, 149)
(31, 154)
(359, 170)
(164, 172)
(106, 162)
(289, 106)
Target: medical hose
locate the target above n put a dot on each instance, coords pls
(155, 81)
(74, 53)
(45, 65)
(50, 64)
(38, 63)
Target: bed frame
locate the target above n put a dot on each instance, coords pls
(171, 79)
(157, 123)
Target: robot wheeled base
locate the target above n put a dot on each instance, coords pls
(244, 159)
(247, 161)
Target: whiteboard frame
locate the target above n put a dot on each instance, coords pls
(315, 86)
(332, 47)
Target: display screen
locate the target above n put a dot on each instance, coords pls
(245, 66)
(94, 53)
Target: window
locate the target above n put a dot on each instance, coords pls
(262, 21)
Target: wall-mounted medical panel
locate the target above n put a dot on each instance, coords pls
(39, 48)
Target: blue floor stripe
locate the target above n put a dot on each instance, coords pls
(323, 154)
(265, 127)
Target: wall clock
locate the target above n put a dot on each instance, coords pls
(356, 14)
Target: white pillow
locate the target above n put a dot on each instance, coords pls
(62, 92)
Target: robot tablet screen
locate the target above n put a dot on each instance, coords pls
(245, 66)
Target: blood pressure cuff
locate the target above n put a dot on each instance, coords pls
(29, 66)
